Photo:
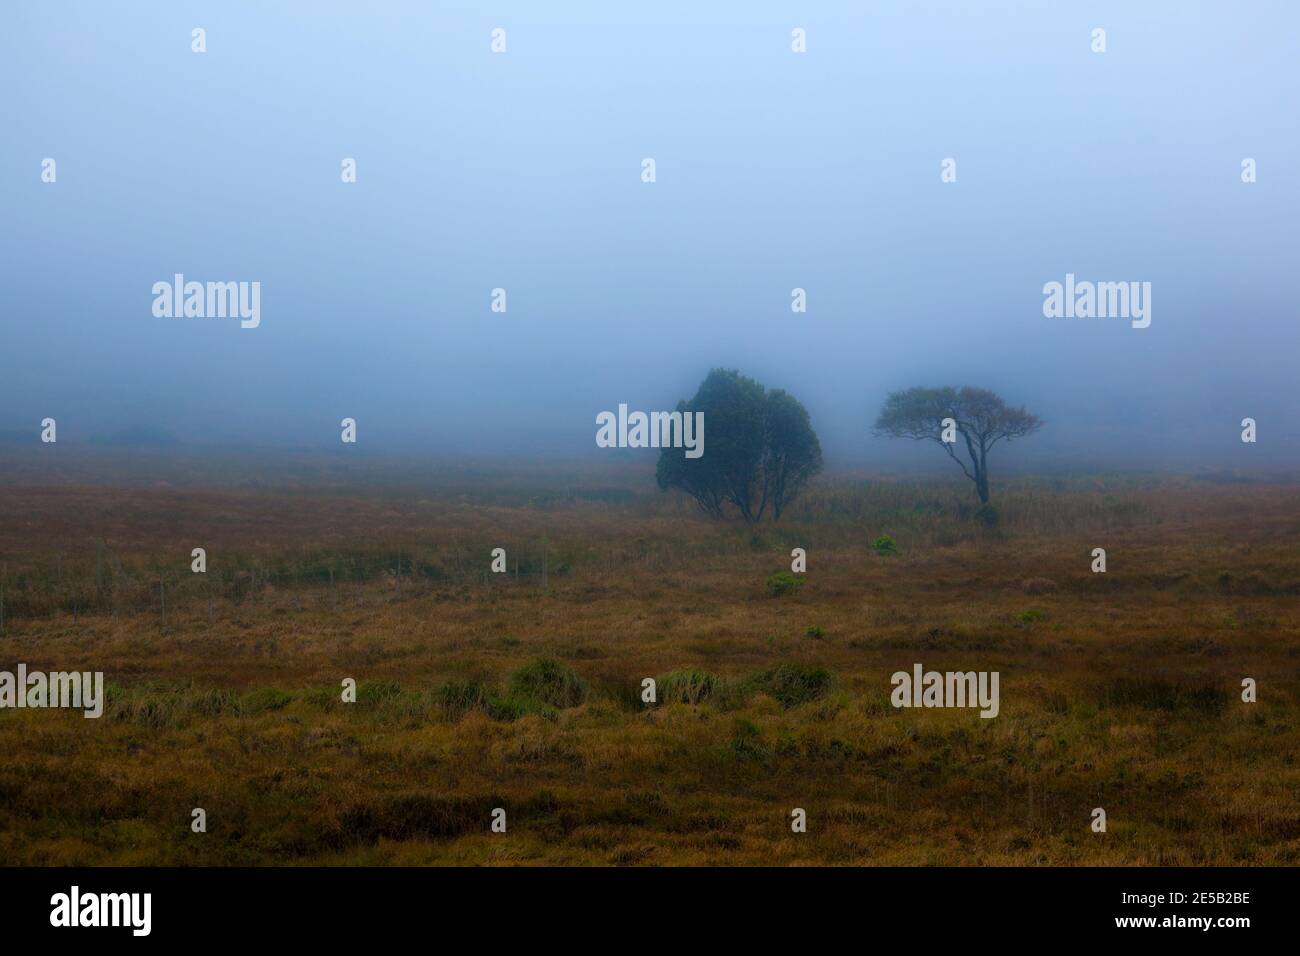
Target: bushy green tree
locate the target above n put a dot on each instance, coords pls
(760, 449)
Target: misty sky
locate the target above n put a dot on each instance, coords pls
(775, 170)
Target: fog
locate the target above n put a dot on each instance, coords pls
(774, 170)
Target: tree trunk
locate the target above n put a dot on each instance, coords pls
(982, 482)
(982, 474)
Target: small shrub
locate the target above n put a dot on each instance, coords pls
(154, 705)
(782, 583)
(547, 681)
(206, 702)
(794, 684)
(1029, 617)
(884, 545)
(815, 631)
(512, 708)
(688, 687)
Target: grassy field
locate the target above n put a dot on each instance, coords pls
(522, 690)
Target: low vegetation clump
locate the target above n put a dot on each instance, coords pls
(884, 545)
(688, 687)
(783, 583)
(512, 708)
(547, 681)
(793, 684)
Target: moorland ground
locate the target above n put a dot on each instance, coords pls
(521, 690)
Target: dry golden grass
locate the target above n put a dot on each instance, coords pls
(1118, 690)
